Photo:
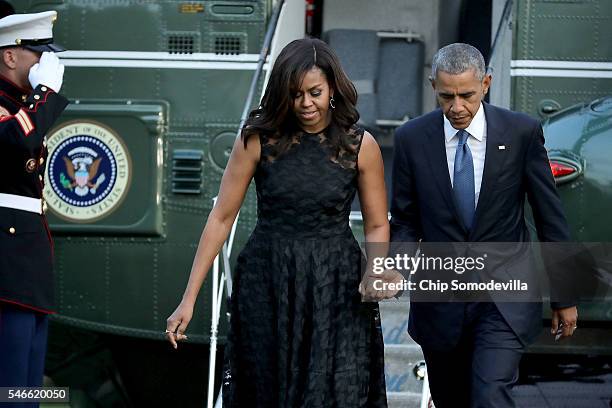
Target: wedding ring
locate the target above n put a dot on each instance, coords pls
(167, 331)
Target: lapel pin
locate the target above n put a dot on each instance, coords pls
(501, 147)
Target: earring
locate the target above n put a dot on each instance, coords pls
(332, 103)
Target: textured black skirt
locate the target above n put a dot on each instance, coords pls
(299, 334)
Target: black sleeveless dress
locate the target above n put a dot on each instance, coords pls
(299, 334)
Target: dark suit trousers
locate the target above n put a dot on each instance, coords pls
(481, 370)
(23, 345)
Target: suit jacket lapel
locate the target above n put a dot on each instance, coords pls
(435, 149)
(494, 160)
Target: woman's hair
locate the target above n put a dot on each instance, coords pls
(275, 118)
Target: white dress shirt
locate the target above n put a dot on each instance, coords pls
(477, 142)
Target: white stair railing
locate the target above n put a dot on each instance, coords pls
(426, 401)
(219, 283)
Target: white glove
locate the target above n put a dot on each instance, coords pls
(48, 71)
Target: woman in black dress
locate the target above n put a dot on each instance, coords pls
(300, 336)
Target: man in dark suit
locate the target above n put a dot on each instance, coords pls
(30, 79)
(461, 174)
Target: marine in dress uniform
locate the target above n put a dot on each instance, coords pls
(30, 77)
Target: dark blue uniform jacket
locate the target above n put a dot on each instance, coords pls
(26, 248)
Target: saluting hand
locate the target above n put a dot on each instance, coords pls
(48, 71)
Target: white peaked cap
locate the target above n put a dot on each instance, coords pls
(33, 31)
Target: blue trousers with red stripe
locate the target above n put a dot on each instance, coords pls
(23, 345)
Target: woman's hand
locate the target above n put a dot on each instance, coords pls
(177, 323)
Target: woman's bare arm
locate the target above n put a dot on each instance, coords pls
(373, 199)
(234, 185)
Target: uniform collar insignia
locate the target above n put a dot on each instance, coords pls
(13, 91)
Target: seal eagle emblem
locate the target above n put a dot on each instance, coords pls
(81, 173)
(88, 173)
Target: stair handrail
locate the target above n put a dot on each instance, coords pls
(226, 277)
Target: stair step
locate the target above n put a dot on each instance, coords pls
(402, 355)
(394, 315)
(400, 361)
(403, 399)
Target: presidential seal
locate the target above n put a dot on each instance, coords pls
(88, 173)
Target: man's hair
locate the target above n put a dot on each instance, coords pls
(458, 58)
